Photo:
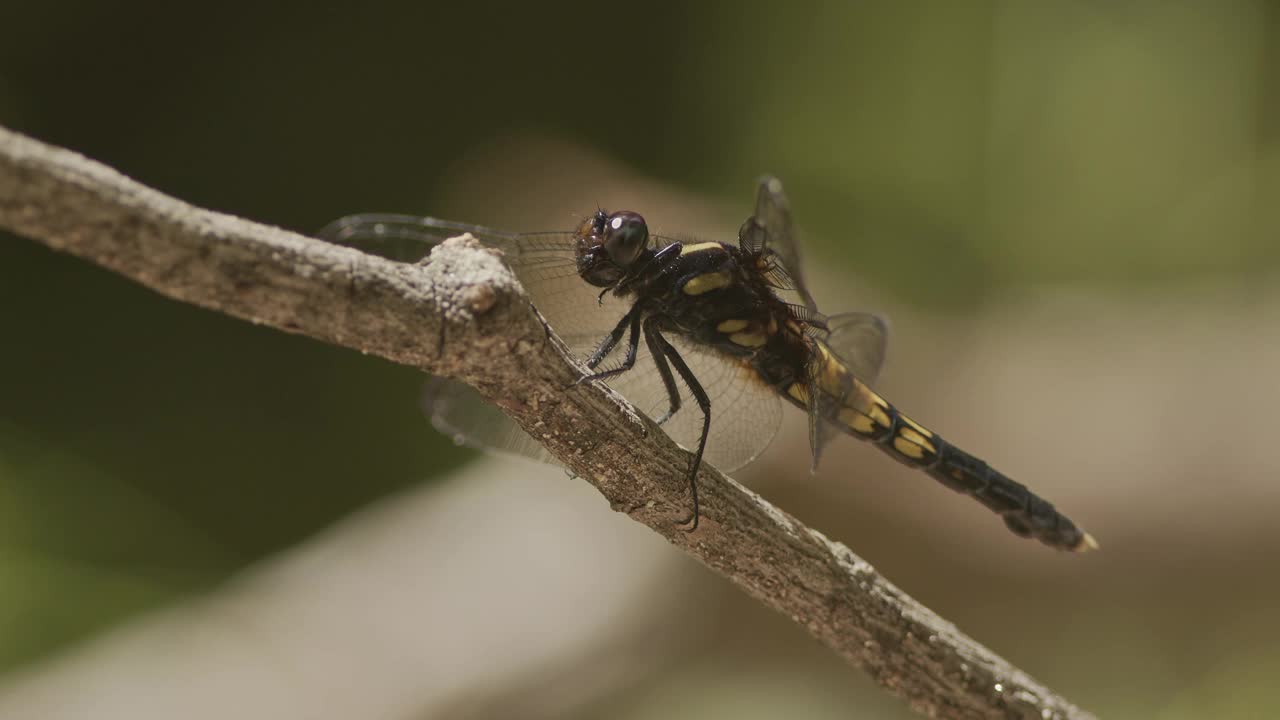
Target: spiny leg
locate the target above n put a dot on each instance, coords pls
(704, 403)
(655, 343)
(611, 340)
(628, 361)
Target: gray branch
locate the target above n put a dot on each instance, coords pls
(463, 315)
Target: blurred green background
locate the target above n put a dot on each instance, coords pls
(1094, 187)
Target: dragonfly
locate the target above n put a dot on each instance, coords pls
(711, 339)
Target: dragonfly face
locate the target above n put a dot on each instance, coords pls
(699, 336)
(609, 246)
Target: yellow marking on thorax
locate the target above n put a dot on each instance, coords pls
(699, 247)
(749, 339)
(706, 282)
(732, 326)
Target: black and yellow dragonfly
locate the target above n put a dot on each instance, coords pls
(698, 335)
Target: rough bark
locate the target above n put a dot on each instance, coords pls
(463, 315)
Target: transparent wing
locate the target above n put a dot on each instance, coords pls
(858, 339)
(543, 261)
(745, 413)
(769, 232)
(458, 411)
(849, 352)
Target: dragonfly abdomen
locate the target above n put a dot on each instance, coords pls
(1024, 512)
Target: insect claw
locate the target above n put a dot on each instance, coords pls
(690, 524)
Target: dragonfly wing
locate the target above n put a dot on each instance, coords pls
(849, 352)
(544, 262)
(859, 340)
(404, 238)
(745, 413)
(459, 412)
(821, 431)
(770, 232)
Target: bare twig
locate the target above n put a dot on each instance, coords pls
(463, 315)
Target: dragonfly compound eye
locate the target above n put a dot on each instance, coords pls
(625, 235)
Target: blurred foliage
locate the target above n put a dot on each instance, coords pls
(947, 151)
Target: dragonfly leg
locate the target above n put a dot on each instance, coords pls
(704, 403)
(628, 361)
(610, 341)
(655, 344)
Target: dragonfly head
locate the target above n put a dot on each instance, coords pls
(609, 244)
